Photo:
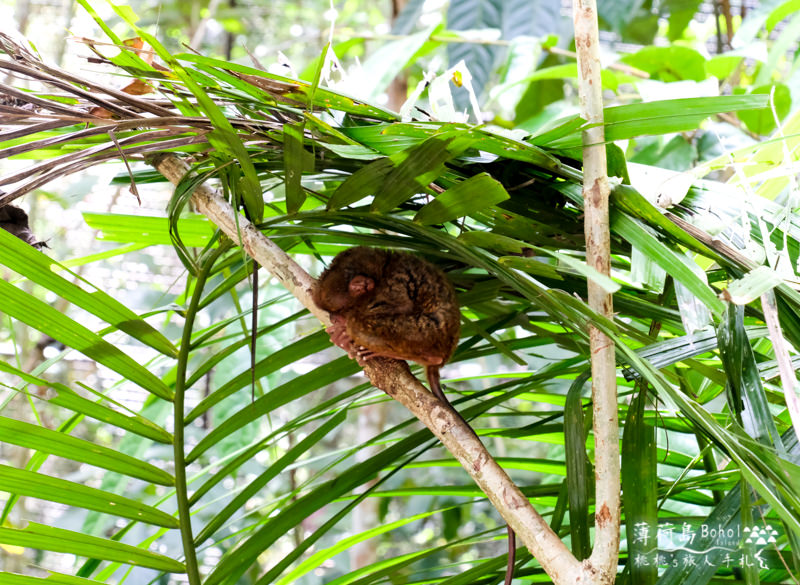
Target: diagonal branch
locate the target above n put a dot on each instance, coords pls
(395, 378)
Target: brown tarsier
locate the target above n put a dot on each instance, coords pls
(391, 304)
(15, 221)
(395, 305)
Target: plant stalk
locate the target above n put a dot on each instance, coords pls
(603, 561)
(181, 490)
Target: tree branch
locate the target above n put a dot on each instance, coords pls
(596, 227)
(394, 377)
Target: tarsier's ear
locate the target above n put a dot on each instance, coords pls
(359, 285)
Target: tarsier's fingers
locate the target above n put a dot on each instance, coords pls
(363, 355)
(400, 337)
(339, 337)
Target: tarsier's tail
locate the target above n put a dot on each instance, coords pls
(432, 372)
(436, 388)
(512, 555)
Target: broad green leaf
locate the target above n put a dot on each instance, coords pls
(19, 305)
(106, 255)
(287, 355)
(364, 182)
(37, 267)
(583, 269)
(746, 396)
(322, 127)
(344, 544)
(556, 130)
(670, 351)
(633, 203)
(37, 459)
(639, 485)
(391, 139)
(516, 149)
(751, 286)
(294, 163)
(569, 71)
(657, 117)
(493, 241)
(51, 579)
(763, 121)
(196, 230)
(641, 237)
(276, 467)
(41, 537)
(527, 463)
(671, 63)
(533, 266)
(544, 494)
(353, 151)
(578, 469)
(695, 315)
(65, 397)
(477, 192)
(783, 9)
(36, 485)
(645, 271)
(28, 435)
(422, 165)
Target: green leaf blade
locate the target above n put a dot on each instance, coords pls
(37, 267)
(39, 315)
(37, 438)
(41, 537)
(293, 166)
(36, 485)
(477, 192)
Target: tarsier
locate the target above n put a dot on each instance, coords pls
(14, 220)
(395, 305)
(391, 304)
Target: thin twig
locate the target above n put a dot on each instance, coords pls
(788, 377)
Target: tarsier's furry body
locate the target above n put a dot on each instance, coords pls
(391, 304)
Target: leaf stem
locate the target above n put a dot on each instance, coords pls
(181, 491)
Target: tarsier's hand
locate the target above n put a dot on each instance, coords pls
(338, 333)
(340, 338)
(363, 355)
